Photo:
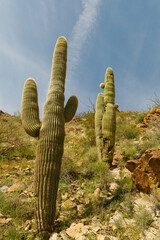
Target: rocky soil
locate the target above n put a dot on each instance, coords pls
(94, 202)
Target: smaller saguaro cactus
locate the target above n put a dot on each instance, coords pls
(50, 135)
(105, 133)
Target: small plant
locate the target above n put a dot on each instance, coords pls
(120, 229)
(91, 237)
(130, 151)
(12, 233)
(130, 132)
(98, 171)
(91, 155)
(127, 205)
(155, 101)
(140, 118)
(143, 218)
(11, 205)
(13, 141)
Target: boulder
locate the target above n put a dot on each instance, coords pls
(68, 204)
(146, 170)
(77, 231)
(153, 115)
(141, 126)
(117, 158)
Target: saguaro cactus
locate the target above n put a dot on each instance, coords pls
(50, 135)
(105, 134)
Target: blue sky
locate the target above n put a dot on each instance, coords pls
(121, 34)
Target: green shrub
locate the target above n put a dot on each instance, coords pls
(13, 234)
(130, 132)
(91, 155)
(11, 205)
(127, 205)
(140, 118)
(98, 174)
(144, 146)
(129, 152)
(88, 122)
(143, 218)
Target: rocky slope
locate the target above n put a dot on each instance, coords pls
(94, 202)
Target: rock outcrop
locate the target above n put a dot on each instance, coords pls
(152, 115)
(146, 170)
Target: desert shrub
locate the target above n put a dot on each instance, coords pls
(98, 171)
(127, 206)
(87, 119)
(144, 146)
(125, 186)
(90, 134)
(126, 126)
(140, 118)
(153, 140)
(12, 233)
(11, 205)
(143, 218)
(91, 155)
(130, 132)
(155, 100)
(88, 122)
(130, 152)
(13, 138)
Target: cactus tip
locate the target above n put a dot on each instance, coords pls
(62, 40)
(109, 71)
(30, 79)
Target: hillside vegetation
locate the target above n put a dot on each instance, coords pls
(103, 201)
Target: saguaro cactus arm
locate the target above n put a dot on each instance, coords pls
(109, 90)
(70, 108)
(98, 124)
(30, 109)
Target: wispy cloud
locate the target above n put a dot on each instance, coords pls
(80, 33)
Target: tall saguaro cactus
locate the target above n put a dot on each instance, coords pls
(50, 135)
(105, 119)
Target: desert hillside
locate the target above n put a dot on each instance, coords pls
(94, 202)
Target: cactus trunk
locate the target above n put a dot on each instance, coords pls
(50, 144)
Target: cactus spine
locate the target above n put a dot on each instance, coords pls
(51, 136)
(105, 119)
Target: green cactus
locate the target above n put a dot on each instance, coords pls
(109, 90)
(108, 120)
(51, 136)
(98, 124)
(30, 110)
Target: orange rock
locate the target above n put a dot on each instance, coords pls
(4, 166)
(117, 157)
(132, 164)
(16, 187)
(141, 180)
(158, 194)
(153, 110)
(146, 170)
